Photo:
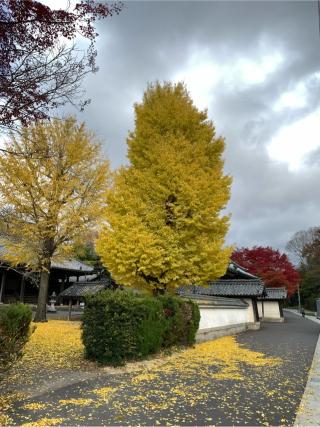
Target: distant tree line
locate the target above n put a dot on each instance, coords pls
(304, 246)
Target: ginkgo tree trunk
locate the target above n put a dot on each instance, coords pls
(163, 222)
(53, 178)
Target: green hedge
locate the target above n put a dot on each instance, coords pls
(182, 320)
(15, 322)
(120, 325)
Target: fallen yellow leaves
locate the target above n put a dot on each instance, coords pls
(57, 344)
(5, 403)
(223, 353)
(44, 422)
(143, 377)
(35, 406)
(5, 420)
(104, 392)
(56, 347)
(76, 402)
(219, 359)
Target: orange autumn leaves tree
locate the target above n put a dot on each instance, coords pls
(52, 184)
(163, 227)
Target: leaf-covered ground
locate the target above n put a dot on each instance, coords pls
(256, 378)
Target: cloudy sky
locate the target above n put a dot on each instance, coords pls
(255, 67)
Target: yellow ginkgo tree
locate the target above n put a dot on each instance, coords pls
(53, 180)
(163, 223)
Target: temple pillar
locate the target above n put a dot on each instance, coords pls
(23, 283)
(280, 309)
(70, 308)
(3, 282)
(255, 309)
(62, 284)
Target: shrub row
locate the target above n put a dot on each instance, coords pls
(120, 325)
(14, 333)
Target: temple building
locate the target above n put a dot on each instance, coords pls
(20, 285)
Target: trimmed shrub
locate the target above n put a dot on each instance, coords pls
(182, 320)
(15, 322)
(120, 325)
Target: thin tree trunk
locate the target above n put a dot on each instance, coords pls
(41, 312)
(158, 291)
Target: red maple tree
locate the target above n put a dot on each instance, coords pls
(273, 267)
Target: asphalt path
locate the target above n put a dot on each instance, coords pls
(264, 396)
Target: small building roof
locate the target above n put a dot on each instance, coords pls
(81, 289)
(228, 288)
(275, 294)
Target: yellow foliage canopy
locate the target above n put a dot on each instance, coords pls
(164, 227)
(52, 185)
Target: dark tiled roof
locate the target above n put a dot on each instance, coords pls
(72, 265)
(87, 288)
(228, 288)
(275, 293)
(217, 301)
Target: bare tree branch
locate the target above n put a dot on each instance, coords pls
(40, 73)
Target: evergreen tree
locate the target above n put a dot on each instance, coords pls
(164, 227)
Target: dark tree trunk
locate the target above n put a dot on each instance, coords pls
(41, 312)
(159, 291)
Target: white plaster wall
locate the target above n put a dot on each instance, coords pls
(271, 309)
(250, 312)
(213, 317)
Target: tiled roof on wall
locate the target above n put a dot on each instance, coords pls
(228, 288)
(275, 293)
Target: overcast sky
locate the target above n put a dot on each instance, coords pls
(255, 67)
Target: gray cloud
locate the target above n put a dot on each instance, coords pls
(155, 40)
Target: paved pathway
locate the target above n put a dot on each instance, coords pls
(264, 395)
(309, 409)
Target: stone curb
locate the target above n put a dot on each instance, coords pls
(308, 413)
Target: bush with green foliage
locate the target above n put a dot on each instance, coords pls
(182, 320)
(119, 325)
(15, 322)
